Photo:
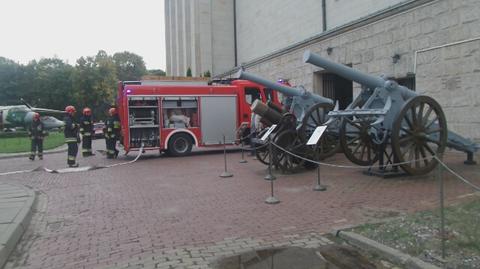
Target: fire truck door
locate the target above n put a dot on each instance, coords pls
(218, 118)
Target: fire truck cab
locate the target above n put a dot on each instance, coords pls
(174, 118)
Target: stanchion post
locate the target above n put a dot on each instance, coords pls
(270, 176)
(272, 199)
(254, 152)
(442, 205)
(243, 154)
(225, 172)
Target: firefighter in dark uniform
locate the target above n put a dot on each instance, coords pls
(36, 133)
(86, 129)
(71, 136)
(112, 133)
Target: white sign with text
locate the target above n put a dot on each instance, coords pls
(316, 135)
(265, 136)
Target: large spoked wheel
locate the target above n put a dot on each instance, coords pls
(419, 133)
(290, 141)
(357, 143)
(261, 150)
(329, 143)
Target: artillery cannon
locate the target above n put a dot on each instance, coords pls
(307, 111)
(390, 121)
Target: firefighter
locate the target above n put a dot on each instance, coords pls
(36, 133)
(86, 129)
(71, 136)
(112, 133)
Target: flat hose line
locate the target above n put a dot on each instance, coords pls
(74, 169)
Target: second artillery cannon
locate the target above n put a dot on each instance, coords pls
(295, 126)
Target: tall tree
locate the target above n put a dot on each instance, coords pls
(130, 66)
(9, 77)
(94, 82)
(52, 83)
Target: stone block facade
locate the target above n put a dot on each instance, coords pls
(450, 74)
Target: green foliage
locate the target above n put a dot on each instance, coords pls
(156, 72)
(189, 72)
(207, 74)
(94, 83)
(52, 83)
(129, 66)
(23, 144)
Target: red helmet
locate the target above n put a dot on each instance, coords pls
(112, 111)
(36, 116)
(87, 111)
(70, 109)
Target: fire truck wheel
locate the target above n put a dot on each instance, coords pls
(180, 145)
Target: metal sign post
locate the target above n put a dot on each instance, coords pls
(270, 176)
(314, 139)
(225, 172)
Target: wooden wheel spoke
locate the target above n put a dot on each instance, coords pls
(363, 152)
(315, 120)
(414, 116)
(353, 140)
(420, 113)
(429, 149)
(407, 131)
(427, 115)
(319, 117)
(354, 124)
(408, 121)
(433, 141)
(431, 122)
(436, 130)
(424, 155)
(356, 148)
(405, 139)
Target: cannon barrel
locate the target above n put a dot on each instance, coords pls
(289, 91)
(349, 73)
(265, 111)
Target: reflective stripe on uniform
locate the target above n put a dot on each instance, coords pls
(71, 158)
(86, 150)
(81, 129)
(116, 124)
(86, 122)
(71, 139)
(111, 151)
(87, 134)
(109, 129)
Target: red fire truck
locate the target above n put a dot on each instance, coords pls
(174, 118)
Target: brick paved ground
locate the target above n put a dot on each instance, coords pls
(177, 211)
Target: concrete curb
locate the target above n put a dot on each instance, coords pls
(60, 149)
(385, 251)
(12, 234)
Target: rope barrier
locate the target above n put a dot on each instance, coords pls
(477, 188)
(466, 181)
(345, 166)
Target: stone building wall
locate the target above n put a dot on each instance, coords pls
(370, 48)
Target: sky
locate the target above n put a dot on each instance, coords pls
(69, 29)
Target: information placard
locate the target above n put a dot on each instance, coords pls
(270, 130)
(316, 135)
